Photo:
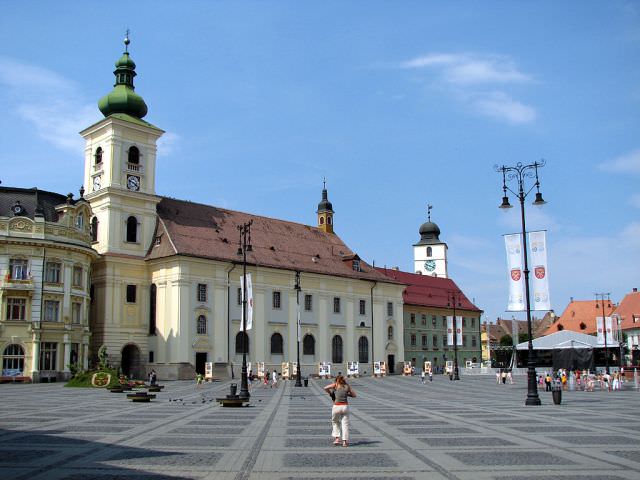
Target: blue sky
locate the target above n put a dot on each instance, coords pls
(397, 104)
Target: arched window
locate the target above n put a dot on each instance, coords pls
(321, 220)
(94, 229)
(242, 343)
(98, 155)
(363, 350)
(429, 252)
(202, 325)
(152, 309)
(13, 360)
(134, 155)
(328, 220)
(276, 344)
(308, 345)
(132, 229)
(390, 333)
(336, 349)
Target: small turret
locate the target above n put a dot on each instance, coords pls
(325, 211)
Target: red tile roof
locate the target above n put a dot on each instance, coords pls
(629, 309)
(580, 316)
(428, 291)
(204, 231)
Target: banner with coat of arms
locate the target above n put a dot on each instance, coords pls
(450, 330)
(248, 288)
(540, 280)
(601, 328)
(513, 244)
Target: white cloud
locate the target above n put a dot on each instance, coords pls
(50, 102)
(168, 144)
(627, 163)
(478, 81)
(502, 106)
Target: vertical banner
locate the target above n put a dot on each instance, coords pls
(248, 287)
(609, 330)
(299, 325)
(449, 330)
(459, 330)
(540, 281)
(600, 329)
(513, 244)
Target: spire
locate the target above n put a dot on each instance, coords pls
(325, 210)
(123, 98)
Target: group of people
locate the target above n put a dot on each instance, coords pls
(269, 379)
(503, 376)
(582, 380)
(426, 373)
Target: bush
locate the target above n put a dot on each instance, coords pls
(83, 379)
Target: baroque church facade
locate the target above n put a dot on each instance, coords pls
(165, 285)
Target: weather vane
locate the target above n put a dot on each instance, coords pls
(324, 183)
(429, 207)
(126, 41)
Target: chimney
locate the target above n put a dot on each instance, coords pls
(571, 299)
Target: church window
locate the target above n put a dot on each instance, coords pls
(363, 307)
(336, 349)
(152, 309)
(134, 155)
(429, 252)
(363, 349)
(94, 229)
(131, 294)
(242, 342)
(202, 292)
(390, 333)
(308, 303)
(202, 325)
(132, 229)
(276, 300)
(308, 345)
(321, 220)
(98, 156)
(276, 344)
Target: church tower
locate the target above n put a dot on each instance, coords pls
(120, 167)
(325, 211)
(430, 254)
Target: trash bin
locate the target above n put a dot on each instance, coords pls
(556, 393)
(233, 389)
(306, 381)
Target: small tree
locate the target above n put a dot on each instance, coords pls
(506, 341)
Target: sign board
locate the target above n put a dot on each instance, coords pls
(448, 367)
(208, 371)
(406, 370)
(285, 370)
(260, 369)
(324, 369)
(427, 367)
(353, 369)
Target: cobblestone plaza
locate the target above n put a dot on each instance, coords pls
(401, 430)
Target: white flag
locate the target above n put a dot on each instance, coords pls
(248, 287)
(513, 244)
(540, 279)
(607, 324)
(459, 330)
(299, 324)
(449, 330)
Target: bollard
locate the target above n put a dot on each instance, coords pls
(233, 388)
(306, 381)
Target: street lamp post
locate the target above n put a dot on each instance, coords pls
(244, 246)
(520, 172)
(297, 287)
(601, 297)
(453, 299)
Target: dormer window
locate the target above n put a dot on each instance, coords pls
(134, 155)
(356, 265)
(98, 155)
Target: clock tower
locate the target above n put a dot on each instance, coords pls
(120, 167)
(430, 254)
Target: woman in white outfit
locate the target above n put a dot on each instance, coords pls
(340, 391)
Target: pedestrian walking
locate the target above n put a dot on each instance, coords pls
(274, 379)
(510, 377)
(199, 380)
(430, 376)
(340, 392)
(265, 378)
(547, 382)
(422, 375)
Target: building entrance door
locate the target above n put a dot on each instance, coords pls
(130, 361)
(391, 363)
(201, 359)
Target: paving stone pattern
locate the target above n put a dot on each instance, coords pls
(401, 430)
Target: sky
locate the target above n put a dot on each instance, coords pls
(397, 104)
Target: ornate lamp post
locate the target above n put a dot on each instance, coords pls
(601, 297)
(453, 300)
(299, 372)
(520, 173)
(244, 246)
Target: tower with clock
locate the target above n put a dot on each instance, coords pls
(430, 253)
(120, 167)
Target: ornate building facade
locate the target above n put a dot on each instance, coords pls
(45, 263)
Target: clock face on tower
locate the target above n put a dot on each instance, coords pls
(96, 183)
(430, 265)
(133, 183)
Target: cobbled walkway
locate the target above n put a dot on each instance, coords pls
(401, 430)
